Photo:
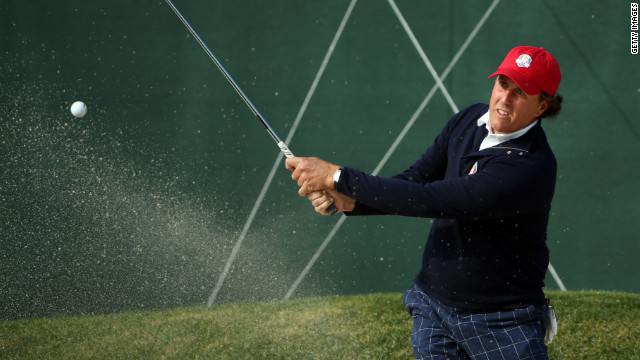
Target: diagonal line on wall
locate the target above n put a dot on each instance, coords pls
(423, 56)
(398, 139)
(555, 276)
(269, 180)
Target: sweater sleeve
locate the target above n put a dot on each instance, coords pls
(505, 187)
(430, 167)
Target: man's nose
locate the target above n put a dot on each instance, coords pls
(506, 98)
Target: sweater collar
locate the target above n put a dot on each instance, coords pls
(494, 139)
(520, 145)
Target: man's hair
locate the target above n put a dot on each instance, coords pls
(555, 104)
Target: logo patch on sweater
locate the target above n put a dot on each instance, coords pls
(474, 169)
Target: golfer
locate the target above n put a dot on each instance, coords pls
(488, 180)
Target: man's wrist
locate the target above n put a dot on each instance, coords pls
(349, 204)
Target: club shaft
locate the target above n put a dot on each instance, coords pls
(283, 147)
(229, 78)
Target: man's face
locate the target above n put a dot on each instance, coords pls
(510, 108)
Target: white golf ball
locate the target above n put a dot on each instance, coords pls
(78, 109)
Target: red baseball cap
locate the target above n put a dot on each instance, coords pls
(532, 68)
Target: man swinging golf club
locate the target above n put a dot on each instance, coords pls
(488, 180)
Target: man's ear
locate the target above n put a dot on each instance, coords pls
(542, 108)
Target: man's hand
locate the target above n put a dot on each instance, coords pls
(315, 178)
(322, 199)
(312, 174)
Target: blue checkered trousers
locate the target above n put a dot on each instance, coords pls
(444, 332)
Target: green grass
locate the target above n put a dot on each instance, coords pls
(592, 325)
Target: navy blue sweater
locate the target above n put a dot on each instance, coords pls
(487, 246)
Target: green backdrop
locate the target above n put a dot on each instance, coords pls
(139, 204)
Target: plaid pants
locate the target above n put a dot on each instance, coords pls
(444, 332)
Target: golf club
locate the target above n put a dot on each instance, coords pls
(331, 210)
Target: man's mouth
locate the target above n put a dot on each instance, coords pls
(502, 113)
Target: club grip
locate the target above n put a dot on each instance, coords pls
(285, 150)
(332, 210)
